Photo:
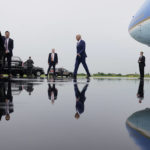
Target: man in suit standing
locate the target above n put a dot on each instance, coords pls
(9, 45)
(81, 56)
(52, 61)
(2, 51)
(30, 63)
(141, 62)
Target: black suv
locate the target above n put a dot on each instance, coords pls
(37, 71)
(18, 67)
(62, 72)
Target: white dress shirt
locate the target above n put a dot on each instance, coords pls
(79, 42)
(53, 56)
(6, 46)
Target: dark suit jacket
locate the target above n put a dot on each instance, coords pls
(55, 58)
(10, 45)
(2, 49)
(81, 49)
(142, 61)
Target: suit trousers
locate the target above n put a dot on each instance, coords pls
(52, 64)
(141, 68)
(8, 56)
(1, 61)
(77, 63)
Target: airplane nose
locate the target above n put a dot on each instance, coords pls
(139, 27)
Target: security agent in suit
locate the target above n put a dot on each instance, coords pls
(140, 94)
(52, 61)
(2, 52)
(30, 63)
(141, 62)
(81, 56)
(9, 45)
(52, 92)
(80, 99)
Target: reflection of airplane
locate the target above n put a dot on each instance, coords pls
(140, 140)
(80, 100)
(138, 125)
(139, 27)
(140, 94)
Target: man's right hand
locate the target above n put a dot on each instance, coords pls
(7, 51)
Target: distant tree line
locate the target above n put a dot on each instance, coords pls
(102, 74)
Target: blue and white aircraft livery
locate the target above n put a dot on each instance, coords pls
(139, 27)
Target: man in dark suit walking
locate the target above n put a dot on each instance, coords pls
(81, 56)
(52, 61)
(9, 45)
(141, 62)
(2, 51)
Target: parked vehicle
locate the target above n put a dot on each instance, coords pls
(18, 67)
(36, 71)
(62, 72)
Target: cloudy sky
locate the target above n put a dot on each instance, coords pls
(39, 25)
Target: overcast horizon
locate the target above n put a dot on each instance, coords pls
(37, 26)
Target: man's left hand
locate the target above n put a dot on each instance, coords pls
(78, 55)
(7, 51)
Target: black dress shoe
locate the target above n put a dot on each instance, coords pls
(88, 76)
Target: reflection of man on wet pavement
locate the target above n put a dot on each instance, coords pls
(140, 94)
(52, 93)
(29, 88)
(6, 105)
(80, 99)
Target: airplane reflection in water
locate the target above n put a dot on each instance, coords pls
(138, 124)
(9, 88)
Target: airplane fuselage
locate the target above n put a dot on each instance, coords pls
(139, 27)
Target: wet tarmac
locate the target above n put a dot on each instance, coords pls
(41, 114)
